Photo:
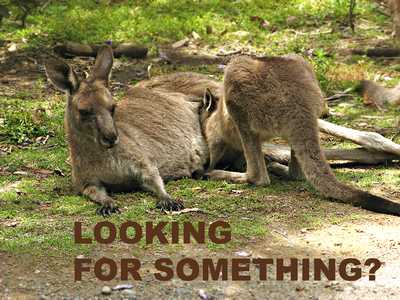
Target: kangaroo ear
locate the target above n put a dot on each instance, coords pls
(103, 65)
(209, 100)
(62, 76)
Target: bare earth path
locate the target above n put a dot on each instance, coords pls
(375, 236)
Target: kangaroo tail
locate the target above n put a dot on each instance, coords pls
(306, 145)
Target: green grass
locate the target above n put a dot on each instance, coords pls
(45, 208)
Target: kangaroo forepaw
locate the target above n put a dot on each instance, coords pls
(107, 209)
(169, 205)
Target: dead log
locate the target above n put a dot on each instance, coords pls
(177, 57)
(72, 49)
(369, 140)
(377, 52)
(360, 155)
(279, 170)
(281, 154)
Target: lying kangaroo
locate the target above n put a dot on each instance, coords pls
(191, 84)
(378, 95)
(188, 83)
(269, 97)
(133, 145)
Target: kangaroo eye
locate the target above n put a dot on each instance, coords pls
(85, 113)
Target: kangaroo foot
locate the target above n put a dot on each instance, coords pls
(235, 177)
(260, 181)
(107, 208)
(168, 204)
(99, 195)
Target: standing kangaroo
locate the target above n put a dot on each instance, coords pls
(269, 97)
(133, 145)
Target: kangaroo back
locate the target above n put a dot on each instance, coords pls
(188, 83)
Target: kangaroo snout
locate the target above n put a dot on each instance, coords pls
(109, 140)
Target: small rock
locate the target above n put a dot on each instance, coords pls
(20, 173)
(237, 192)
(106, 290)
(11, 223)
(195, 35)
(242, 253)
(80, 256)
(203, 295)
(180, 43)
(12, 48)
(120, 287)
(303, 230)
(37, 271)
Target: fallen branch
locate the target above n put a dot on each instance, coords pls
(281, 154)
(377, 52)
(369, 140)
(176, 57)
(72, 49)
(185, 211)
(339, 95)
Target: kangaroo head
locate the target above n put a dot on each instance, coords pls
(212, 118)
(90, 104)
(209, 105)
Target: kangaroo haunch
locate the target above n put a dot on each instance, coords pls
(133, 145)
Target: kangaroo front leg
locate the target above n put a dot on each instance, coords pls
(154, 183)
(256, 169)
(99, 195)
(295, 171)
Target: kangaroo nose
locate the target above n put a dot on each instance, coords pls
(110, 140)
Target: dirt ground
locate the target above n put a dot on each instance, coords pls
(376, 236)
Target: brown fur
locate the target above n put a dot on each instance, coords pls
(377, 95)
(269, 97)
(155, 141)
(193, 85)
(188, 83)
